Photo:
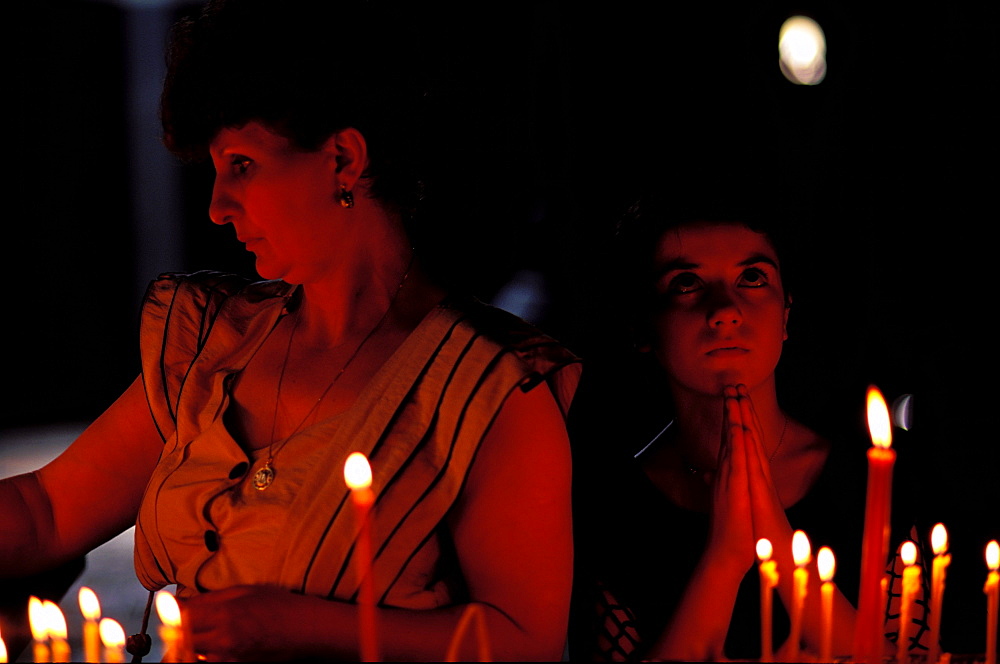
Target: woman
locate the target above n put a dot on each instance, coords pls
(227, 452)
(668, 532)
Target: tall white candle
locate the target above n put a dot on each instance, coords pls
(802, 555)
(358, 477)
(826, 564)
(38, 622)
(992, 590)
(939, 569)
(170, 627)
(911, 586)
(768, 580)
(90, 607)
(113, 638)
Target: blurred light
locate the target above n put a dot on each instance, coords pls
(908, 552)
(801, 551)
(826, 564)
(802, 51)
(902, 412)
(764, 549)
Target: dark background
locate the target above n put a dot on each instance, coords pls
(550, 114)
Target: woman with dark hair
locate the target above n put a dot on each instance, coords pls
(667, 526)
(227, 453)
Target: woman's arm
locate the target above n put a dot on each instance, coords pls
(513, 535)
(87, 495)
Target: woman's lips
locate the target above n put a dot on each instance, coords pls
(727, 351)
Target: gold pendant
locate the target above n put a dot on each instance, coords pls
(263, 477)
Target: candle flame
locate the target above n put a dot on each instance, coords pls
(167, 609)
(3, 651)
(357, 471)
(878, 419)
(90, 607)
(826, 563)
(939, 539)
(908, 552)
(112, 633)
(801, 551)
(38, 619)
(55, 621)
(993, 555)
(764, 549)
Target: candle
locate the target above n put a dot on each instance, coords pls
(170, 629)
(90, 607)
(992, 590)
(801, 554)
(113, 638)
(56, 625)
(939, 544)
(358, 476)
(3, 651)
(38, 621)
(826, 564)
(911, 586)
(868, 626)
(768, 580)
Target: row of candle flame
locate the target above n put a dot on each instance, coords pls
(103, 637)
(825, 567)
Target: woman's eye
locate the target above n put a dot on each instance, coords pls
(240, 164)
(753, 277)
(685, 282)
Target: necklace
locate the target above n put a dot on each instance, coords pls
(265, 476)
(695, 470)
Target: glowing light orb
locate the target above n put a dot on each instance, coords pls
(802, 51)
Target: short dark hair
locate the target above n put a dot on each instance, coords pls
(663, 204)
(275, 61)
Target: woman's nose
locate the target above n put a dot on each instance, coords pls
(223, 207)
(723, 310)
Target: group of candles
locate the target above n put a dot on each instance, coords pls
(869, 623)
(103, 638)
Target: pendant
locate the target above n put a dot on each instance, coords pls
(263, 477)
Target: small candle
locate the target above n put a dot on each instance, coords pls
(802, 555)
(56, 625)
(38, 621)
(992, 590)
(358, 476)
(939, 544)
(826, 564)
(170, 629)
(768, 580)
(911, 586)
(90, 607)
(868, 626)
(113, 638)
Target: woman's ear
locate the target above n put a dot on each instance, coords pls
(349, 151)
(788, 309)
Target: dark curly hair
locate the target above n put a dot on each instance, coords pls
(305, 69)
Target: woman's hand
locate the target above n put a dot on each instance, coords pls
(242, 623)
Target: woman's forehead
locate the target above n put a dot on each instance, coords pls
(700, 242)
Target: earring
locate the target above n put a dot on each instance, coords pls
(346, 197)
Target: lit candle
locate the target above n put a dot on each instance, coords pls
(3, 651)
(768, 580)
(992, 590)
(55, 623)
(911, 586)
(939, 544)
(868, 626)
(113, 638)
(38, 621)
(170, 629)
(358, 476)
(90, 607)
(825, 565)
(802, 555)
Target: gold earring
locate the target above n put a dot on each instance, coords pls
(346, 197)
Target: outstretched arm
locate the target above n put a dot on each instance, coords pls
(512, 532)
(84, 497)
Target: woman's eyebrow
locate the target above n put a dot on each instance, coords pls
(674, 265)
(758, 258)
